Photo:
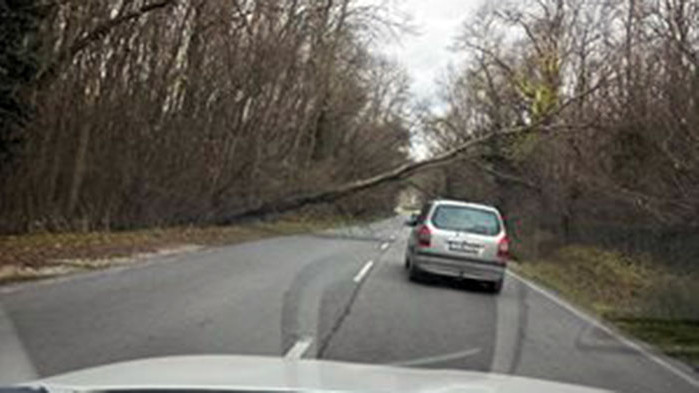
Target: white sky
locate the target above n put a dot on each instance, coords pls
(427, 55)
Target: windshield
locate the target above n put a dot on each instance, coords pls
(478, 186)
(463, 219)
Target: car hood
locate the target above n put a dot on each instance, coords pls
(236, 373)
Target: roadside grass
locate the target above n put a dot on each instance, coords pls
(45, 255)
(637, 295)
(678, 338)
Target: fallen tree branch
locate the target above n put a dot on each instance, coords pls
(334, 194)
(397, 174)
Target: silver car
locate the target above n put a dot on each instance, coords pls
(458, 239)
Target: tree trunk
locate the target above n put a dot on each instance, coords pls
(78, 170)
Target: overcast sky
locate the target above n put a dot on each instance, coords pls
(426, 55)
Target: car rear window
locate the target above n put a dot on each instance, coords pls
(466, 219)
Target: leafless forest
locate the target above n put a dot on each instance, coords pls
(147, 112)
(580, 119)
(597, 108)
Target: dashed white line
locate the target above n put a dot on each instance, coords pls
(299, 349)
(362, 273)
(384, 246)
(668, 366)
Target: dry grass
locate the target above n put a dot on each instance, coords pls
(37, 256)
(637, 295)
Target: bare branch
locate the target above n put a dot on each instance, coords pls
(397, 174)
(97, 34)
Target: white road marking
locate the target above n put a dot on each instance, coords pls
(362, 273)
(438, 359)
(594, 321)
(15, 365)
(392, 237)
(384, 246)
(299, 349)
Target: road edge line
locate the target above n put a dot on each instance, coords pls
(599, 324)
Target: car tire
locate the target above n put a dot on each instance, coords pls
(414, 273)
(495, 287)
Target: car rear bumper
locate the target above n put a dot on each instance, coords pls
(459, 267)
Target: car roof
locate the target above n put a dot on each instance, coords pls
(454, 202)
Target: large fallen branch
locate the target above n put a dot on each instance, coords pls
(333, 194)
(400, 173)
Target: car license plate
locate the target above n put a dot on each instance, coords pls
(465, 247)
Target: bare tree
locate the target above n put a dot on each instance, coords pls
(623, 153)
(163, 112)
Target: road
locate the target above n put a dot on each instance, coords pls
(341, 296)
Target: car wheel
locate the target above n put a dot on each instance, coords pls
(414, 273)
(496, 286)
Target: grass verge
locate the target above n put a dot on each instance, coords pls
(45, 255)
(637, 295)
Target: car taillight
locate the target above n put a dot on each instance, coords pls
(424, 236)
(504, 248)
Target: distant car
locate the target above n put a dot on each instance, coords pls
(458, 239)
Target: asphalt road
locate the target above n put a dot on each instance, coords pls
(341, 296)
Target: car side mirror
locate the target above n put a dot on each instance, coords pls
(411, 221)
